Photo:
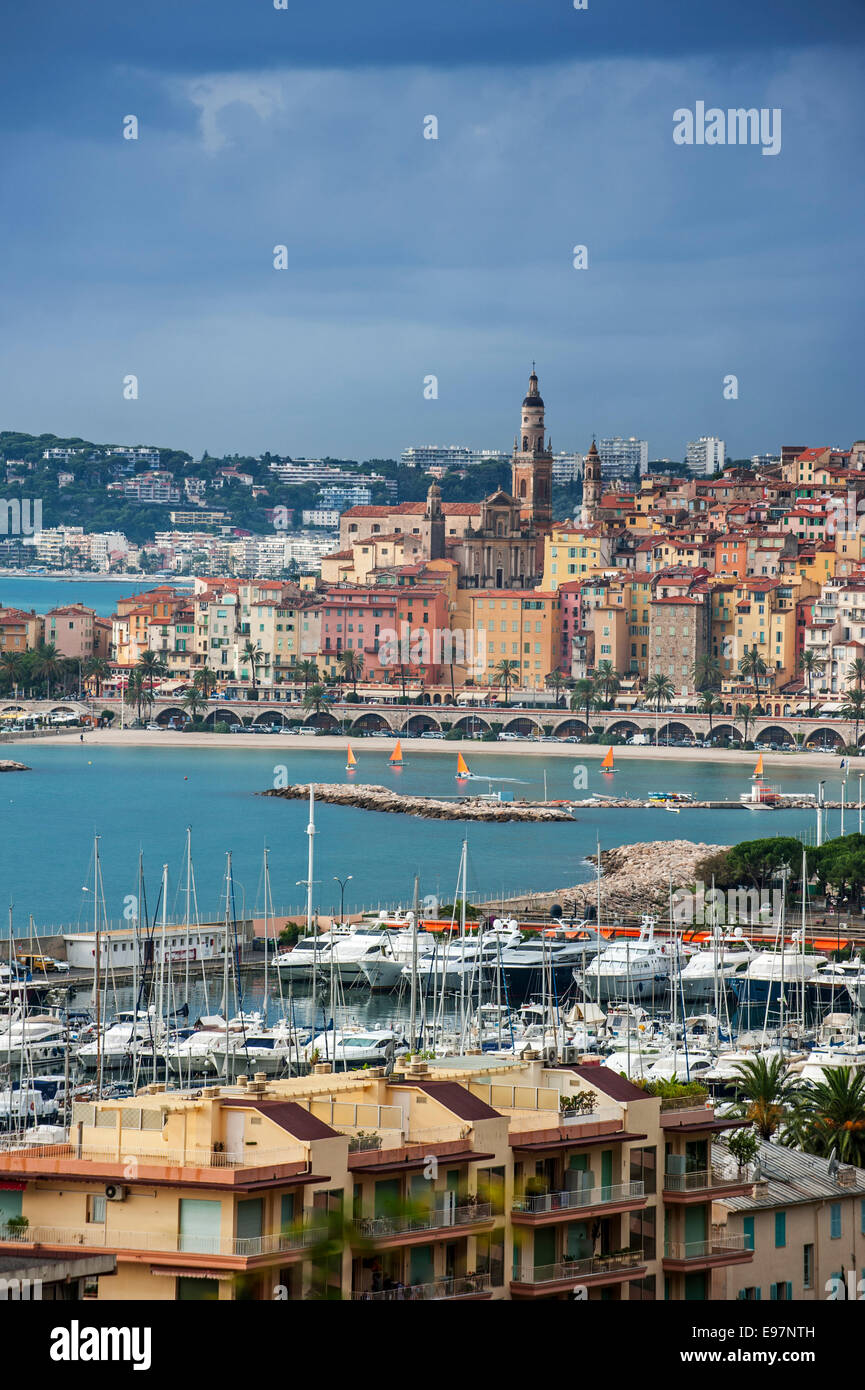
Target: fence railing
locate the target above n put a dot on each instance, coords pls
(19, 1150)
(580, 1269)
(704, 1249)
(702, 1179)
(461, 1287)
(539, 1203)
(372, 1227)
(101, 1237)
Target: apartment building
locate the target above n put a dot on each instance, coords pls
(705, 455)
(464, 1180)
(70, 630)
(19, 631)
(575, 552)
(804, 1222)
(519, 625)
(399, 629)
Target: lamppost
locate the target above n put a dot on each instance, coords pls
(820, 786)
(342, 882)
(860, 802)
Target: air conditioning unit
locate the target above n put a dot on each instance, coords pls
(115, 1193)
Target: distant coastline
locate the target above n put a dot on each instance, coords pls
(96, 577)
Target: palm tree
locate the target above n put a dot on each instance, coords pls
(829, 1116)
(10, 667)
(584, 697)
(856, 671)
(746, 714)
(711, 705)
(252, 656)
(810, 663)
(205, 680)
(135, 689)
(195, 705)
(557, 682)
(506, 673)
(607, 680)
(351, 666)
(706, 672)
(752, 667)
(764, 1093)
(315, 699)
(97, 670)
(853, 709)
(661, 690)
(307, 671)
(48, 665)
(151, 665)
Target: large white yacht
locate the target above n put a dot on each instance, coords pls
(630, 970)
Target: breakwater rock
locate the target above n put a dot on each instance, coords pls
(7, 765)
(634, 879)
(372, 798)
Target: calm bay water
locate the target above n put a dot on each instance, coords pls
(144, 798)
(42, 594)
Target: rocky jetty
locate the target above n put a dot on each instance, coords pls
(634, 879)
(7, 765)
(371, 798)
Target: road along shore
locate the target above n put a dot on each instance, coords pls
(470, 748)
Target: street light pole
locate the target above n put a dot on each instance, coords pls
(342, 882)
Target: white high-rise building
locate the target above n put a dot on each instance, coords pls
(705, 455)
(567, 468)
(623, 458)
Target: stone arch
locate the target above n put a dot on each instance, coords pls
(224, 716)
(322, 720)
(64, 709)
(169, 712)
(271, 716)
(14, 709)
(824, 735)
(674, 728)
(471, 724)
(623, 728)
(522, 724)
(421, 724)
(727, 731)
(775, 733)
(371, 723)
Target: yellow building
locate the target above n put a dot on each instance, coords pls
(572, 551)
(506, 1179)
(520, 625)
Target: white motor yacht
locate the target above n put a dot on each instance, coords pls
(630, 970)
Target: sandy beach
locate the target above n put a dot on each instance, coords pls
(170, 738)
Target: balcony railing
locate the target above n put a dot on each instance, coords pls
(19, 1151)
(705, 1249)
(702, 1179)
(374, 1227)
(464, 1286)
(97, 1236)
(580, 1269)
(540, 1203)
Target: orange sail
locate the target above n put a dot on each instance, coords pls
(758, 770)
(351, 761)
(396, 755)
(607, 764)
(462, 766)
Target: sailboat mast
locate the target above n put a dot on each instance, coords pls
(310, 925)
(413, 1004)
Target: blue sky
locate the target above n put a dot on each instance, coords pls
(409, 257)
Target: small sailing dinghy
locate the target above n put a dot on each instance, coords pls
(395, 758)
(462, 768)
(607, 764)
(350, 761)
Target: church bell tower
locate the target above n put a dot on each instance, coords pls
(532, 468)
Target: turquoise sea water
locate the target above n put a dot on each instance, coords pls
(141, 798)
(42, 594)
